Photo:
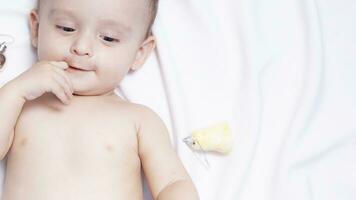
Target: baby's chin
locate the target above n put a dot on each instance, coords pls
(89, 85)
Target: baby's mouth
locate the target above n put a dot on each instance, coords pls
(76, 69)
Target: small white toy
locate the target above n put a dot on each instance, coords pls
(217, 138)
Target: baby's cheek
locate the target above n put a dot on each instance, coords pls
(51, 48)
(48, 51)
(117, 73)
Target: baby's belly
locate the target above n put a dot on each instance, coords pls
(56, 165)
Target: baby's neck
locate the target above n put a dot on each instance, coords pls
(110, 93)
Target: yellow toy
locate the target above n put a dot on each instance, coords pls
(216, 138)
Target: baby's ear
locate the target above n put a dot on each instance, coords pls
(143, 53)
(34, 24)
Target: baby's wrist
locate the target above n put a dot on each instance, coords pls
(13, 91)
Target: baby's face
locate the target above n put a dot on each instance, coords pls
(104, 39)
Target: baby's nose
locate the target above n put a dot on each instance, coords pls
(82, 47)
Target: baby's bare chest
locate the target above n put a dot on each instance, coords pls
(75, 137)
(73, 152)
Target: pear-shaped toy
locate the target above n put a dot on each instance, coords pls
(216, 138)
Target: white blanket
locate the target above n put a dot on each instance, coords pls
(281, 72)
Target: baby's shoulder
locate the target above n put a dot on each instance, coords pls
(143, 118)
(138, 112)
(146, 120)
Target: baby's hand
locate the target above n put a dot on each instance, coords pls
(45, 77)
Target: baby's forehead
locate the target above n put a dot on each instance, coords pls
(139, 14)
(118, 11)
(119, 5)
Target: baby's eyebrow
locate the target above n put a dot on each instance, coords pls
(53, 12)
(103, 22)
(115, 24)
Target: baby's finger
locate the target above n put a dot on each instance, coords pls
(65, 76)
(64, 85)
(61, 64)
(59, 93)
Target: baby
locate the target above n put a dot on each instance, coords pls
(65, 134)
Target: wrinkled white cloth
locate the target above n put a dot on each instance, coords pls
(282, 73)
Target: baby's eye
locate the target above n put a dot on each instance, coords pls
(65, 29)
(109, 39)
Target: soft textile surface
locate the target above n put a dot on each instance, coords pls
(281, 72)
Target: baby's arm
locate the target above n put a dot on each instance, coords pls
(164, 171)
(42, 77)
(10, 108)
